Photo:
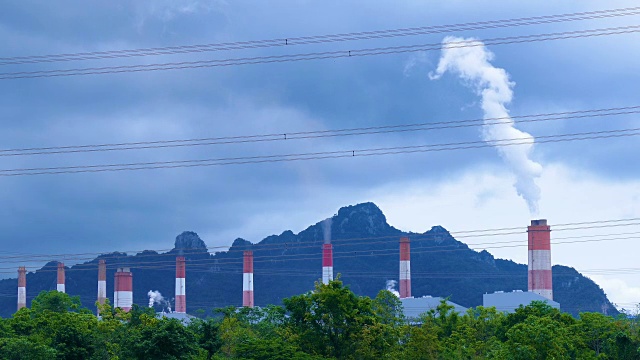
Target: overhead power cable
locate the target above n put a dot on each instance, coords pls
(320, 155)
(297, 135)
(321, 55)
(318, 39)
(207, 264)
(342, 245)
(338, 242)
(557, 227)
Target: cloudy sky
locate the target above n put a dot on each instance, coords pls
(579, 181)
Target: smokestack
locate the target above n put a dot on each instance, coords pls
(247, 280)
(123, 285)
(22, 287)
(327, 252)
(405, 268)
(181, 297)
(102, 282)
(60, 286)
(540, 258)
(327, 263)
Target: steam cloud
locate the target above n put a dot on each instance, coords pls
(155, 297)
(326, 229)
(391, 286)
(473, 66)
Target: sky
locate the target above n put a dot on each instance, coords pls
(65, 214)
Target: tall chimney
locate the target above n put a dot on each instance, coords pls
(181, 296)
(327, 263)
(60, 286)
(247, 280)
(102, 282)
(123, 285)
(22, 287)
(405, 268)
(540, 258)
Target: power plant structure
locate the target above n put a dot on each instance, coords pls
(123, 289)
(540, 279)
(102, 282)
(540, 285)
(509, 302)
(60, 285)
(22, 287)
(247, 279)
(405, 268)
(327, 263)
(181, 296)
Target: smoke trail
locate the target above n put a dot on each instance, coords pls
(473, 66)
(326, 229)
(391, 286)
(155, 297)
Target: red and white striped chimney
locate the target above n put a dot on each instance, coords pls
(540, 258)
(327, 263)
(181, 296)
(247, 279)
(60, 286)
(405, 268)
(22, 287)
(102, 282)
(123, 285)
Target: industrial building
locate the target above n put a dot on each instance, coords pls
(413, 307)
(183, 317)
(509, 301)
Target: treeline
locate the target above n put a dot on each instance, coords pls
(328, 323)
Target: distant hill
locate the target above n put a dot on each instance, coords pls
(365, 254)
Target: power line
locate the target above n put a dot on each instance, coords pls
(209, 263)
(391, 275)
(597, 224)
(320, 55)
(310, 256)
(317, 39)
(320, 155)
(286, 136)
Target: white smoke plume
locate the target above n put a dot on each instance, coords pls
(326, 229)
(492, 84)
(155, 297)
(391, 286)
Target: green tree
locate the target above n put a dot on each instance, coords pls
(598, 332)
(57, 321)
(332, 321)
(422, 342)
(55, 301)
(160, 339)
(207, 333)
(20, 348)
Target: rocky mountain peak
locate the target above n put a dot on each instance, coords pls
(365, 216)
(189, 240)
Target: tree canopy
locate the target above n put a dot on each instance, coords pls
(330, 322)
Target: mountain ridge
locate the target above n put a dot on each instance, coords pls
(365, 254)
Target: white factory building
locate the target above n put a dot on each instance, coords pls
(509, 301)
(413, 307)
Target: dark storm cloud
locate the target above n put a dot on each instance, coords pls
(133, 210)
